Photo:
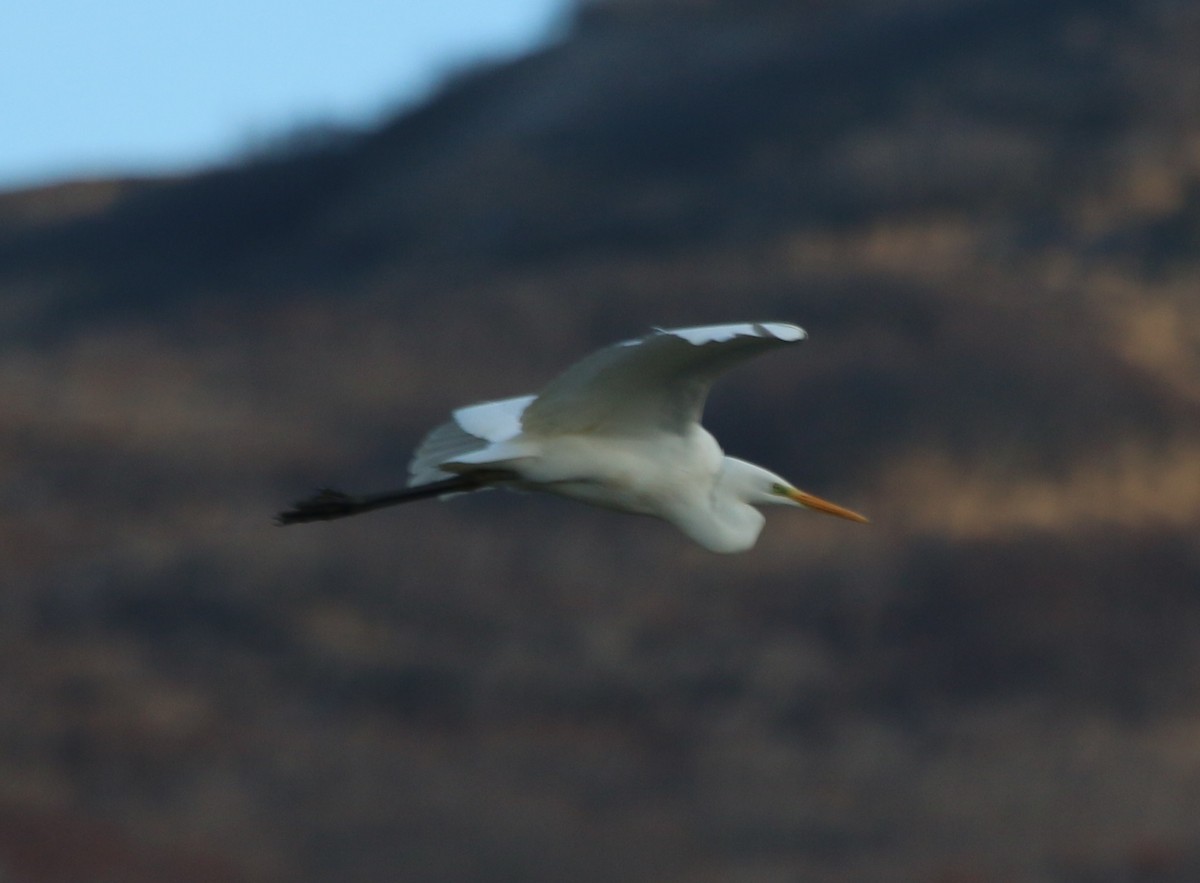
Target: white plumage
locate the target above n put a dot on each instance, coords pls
(619, 429)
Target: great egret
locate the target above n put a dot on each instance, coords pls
(619, 429)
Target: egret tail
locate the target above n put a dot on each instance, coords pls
(328, 504)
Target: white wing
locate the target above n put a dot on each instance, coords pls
(477, 432)
(656, 383)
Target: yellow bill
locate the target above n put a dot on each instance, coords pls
(819, 505)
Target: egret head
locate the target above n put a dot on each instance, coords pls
(760, 487)
(788, 495)
(731, 522)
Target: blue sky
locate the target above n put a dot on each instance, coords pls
(125, 86)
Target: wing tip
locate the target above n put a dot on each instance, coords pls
(784, 331)
(700, 335)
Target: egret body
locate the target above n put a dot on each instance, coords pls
(619, 429)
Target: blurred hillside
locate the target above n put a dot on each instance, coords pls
(987, 215)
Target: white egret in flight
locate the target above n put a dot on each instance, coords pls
(619, 429)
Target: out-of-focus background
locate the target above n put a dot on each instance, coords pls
(987, 215)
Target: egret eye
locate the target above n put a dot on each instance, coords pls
(779, 490)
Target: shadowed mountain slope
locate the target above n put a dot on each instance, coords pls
(987, 215)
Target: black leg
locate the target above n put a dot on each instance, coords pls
(329, 504)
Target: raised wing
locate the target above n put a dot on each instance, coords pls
(654, 384)
(473, 430)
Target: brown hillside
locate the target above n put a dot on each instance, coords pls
(987, 215)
